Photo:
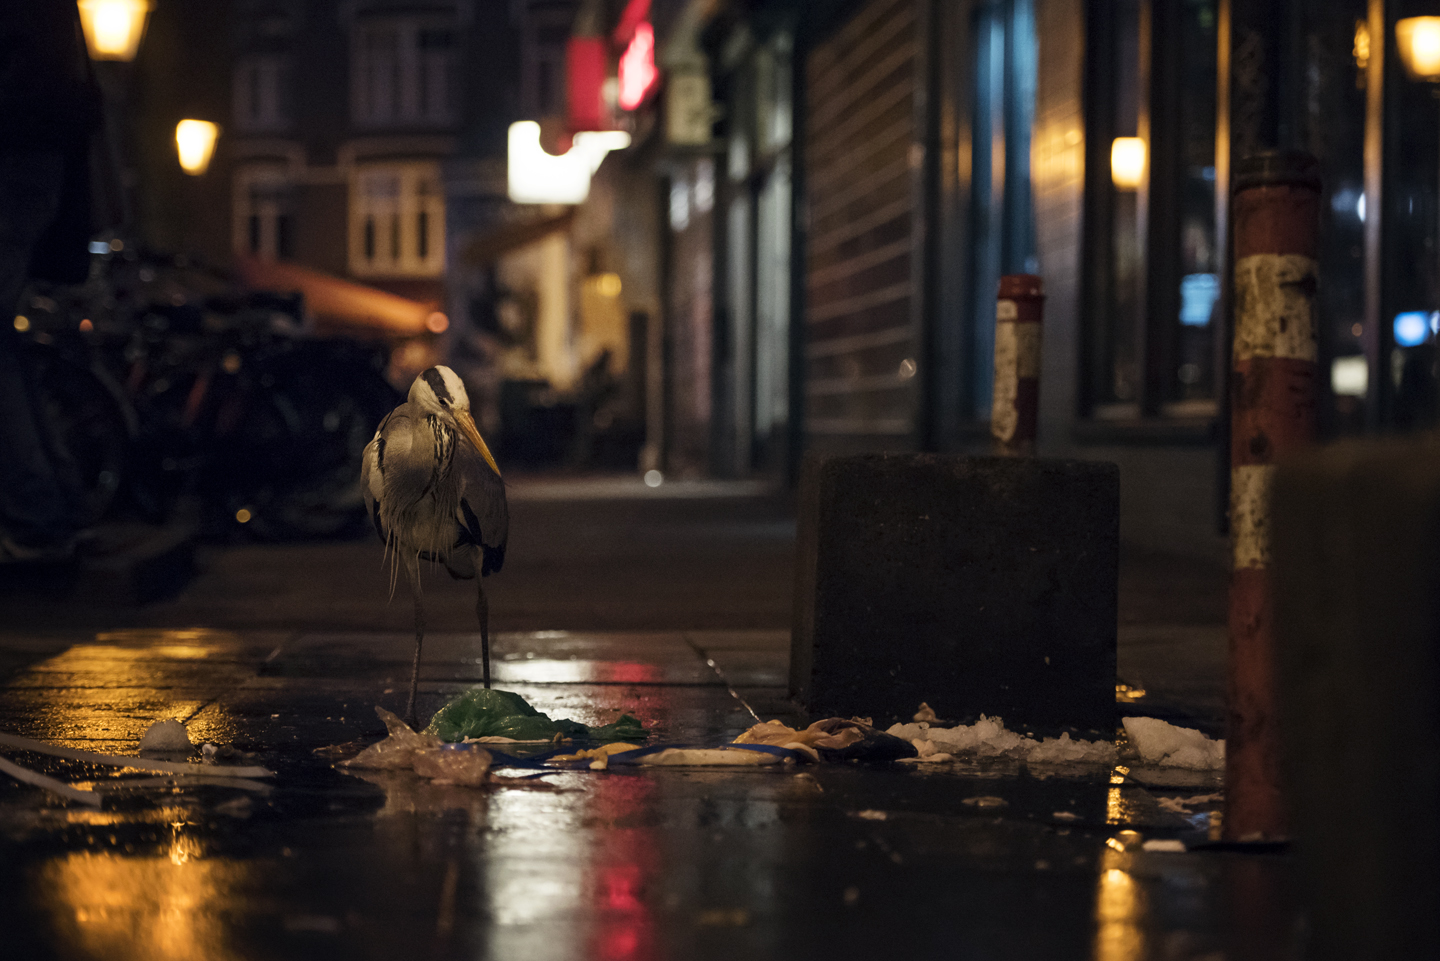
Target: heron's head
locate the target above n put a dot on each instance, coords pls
(439, 391)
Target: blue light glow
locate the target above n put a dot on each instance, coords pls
(99, 247)
(1411, 328)
(1198, 293)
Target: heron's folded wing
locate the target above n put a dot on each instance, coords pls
(482, 514)
(405, 458)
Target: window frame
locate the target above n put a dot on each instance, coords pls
(412, 74)
(412, 207)
(1151, 415)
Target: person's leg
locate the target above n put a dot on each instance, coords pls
(33, 509)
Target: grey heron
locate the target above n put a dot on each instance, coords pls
(434, 494)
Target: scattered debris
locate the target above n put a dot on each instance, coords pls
(832, 739)
(599, 757)
(482, 713)
(138, 764)
(988, 737)
(166, 736)
(454, 764)
(926, 713)
(730, 755)
(1186, 805)
(27, 776)
(1065, 816)
(1128, 693)
(397, 750)
(985, 801)
(1166, 745)
(871, 815)
(1177, 847)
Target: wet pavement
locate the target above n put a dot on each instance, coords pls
(819, 861)
(674, 608)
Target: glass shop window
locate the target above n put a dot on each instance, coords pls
(1152, 270)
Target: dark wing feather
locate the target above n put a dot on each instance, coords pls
(483, 517)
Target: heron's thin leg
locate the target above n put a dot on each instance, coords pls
(412, 568)
(482, 611)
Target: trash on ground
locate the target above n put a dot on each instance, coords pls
(453, 764)
(832, 739)
(1166, 745)
(482, 713)
(1164, 845)
(138, 764)
(926, 713)
(1065, 816)
(985, 801)
(599, 757)
(169, 735)
(1186, 805)
(27, 776)
(397, 750)
(871, 815)
(730, 755)
(988, 737)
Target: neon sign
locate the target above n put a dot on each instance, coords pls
(637, 67)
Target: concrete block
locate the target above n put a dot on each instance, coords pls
(977, 584)
(1356, 574)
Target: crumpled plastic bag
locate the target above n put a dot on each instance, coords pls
(396, 751)
(166, 736)
(491, 713)
(468, 765)
(832, 739)
(1164, 744)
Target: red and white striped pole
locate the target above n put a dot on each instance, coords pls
(1276, 213)
(1015, 411)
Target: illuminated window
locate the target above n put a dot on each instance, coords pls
(404, 74)
(264, 224)
(397, 220)
(262, 93)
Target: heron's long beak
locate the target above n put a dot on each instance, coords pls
(467, 427)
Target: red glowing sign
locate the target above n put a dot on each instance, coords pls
(637, 67)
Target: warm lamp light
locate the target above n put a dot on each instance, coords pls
(1127, 162)
(1419, 41)
(538, 177)
(113, 28)
(195, 143)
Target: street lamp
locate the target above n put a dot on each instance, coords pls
(195, 143)
(1127, 163)
(1419, 41)
(113, 28)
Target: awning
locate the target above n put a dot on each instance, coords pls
(334, 301)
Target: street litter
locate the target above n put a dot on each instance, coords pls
(138, 764)
(486, 714)
(926, 713)
(985, 801)
(832, 739)
(1177, 847)
(468, 765)
(27, 776)
(1166, 745)
(871, 815)
(1186, 805)
(166, 736)
(988, 737)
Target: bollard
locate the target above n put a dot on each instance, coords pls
(1016, 406)
(1275, 210)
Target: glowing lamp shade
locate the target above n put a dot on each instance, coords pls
(195, 143)
(1419, 41)
(113, 28)
(1127, 163)
(538, 177)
